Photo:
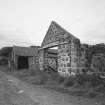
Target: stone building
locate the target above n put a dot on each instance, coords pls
(68, 56)
(83, 58)
(23, 58)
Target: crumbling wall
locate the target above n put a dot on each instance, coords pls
(41, 59)
(68, 49)
(75, 55)
(64, 59)
(98, 63)
(83, 58)
(33, 63)
(68, 56)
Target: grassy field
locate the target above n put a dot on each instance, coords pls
(82, 85)
(9, 93)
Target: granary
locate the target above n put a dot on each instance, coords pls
(23, 58)
(68, 56)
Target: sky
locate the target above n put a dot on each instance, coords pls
(25, 22)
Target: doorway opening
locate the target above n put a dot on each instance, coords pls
(23, 62)
(52, 58)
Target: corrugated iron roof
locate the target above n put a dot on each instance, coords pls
(25, 51)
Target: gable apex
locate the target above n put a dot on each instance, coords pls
(54, 33)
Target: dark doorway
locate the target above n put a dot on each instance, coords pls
(23, 62)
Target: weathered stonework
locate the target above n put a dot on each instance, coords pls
(98, 63)
(68, 50)
(41, 59)
(83, 59)
(64, 59)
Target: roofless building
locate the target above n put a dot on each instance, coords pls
(68, 55)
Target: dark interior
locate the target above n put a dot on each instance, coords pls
(23, 62)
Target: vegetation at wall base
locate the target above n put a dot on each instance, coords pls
(91, 86)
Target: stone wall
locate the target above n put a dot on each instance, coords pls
(68, 50)
(98, 63)
(33, 63)
(64, 59)
(41, 59)
(82, 58)
(68, 57)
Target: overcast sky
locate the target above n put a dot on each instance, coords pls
(25, 22)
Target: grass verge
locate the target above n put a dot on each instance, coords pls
(81, 85)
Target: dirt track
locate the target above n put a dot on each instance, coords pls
(16, 92)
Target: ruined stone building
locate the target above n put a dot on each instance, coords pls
(68, 55)
(23, 58)
(69, 58)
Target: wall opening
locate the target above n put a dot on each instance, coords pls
(52, 58)
(23, 62)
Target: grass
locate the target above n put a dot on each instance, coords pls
(81, 85)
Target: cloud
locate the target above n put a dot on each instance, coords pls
(3, 37)
(26, 22)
